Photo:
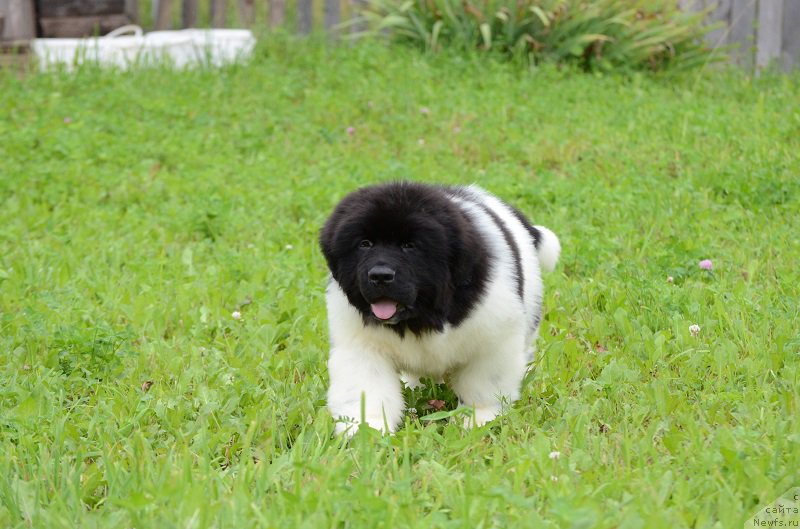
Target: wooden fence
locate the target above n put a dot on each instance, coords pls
(301, 16)
(761, 32)
(21, 20)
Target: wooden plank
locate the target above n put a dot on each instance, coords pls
(277, 12)
(246, 13)
(721, 13)
(692, 5)
(790, 49)
(768, 34)
(359, 24)
(19, 21)
(743, 32)
(331, 16)
(80, 8)
(218, 13)
(163, 14)
(189, 15)
(74, 27)
(10, 48)
(132, 10)
(304, 14)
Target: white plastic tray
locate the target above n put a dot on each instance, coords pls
(129, 45)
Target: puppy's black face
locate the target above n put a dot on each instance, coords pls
(398, 251)
(399, 267)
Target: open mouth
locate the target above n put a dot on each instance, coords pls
(386, 310)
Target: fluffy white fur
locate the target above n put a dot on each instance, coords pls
(483, 359)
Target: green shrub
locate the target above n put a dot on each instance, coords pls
(595, 35)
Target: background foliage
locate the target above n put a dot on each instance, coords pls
(596, 35)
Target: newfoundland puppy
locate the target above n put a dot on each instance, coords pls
(430, 281)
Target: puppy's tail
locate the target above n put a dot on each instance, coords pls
(549, 249)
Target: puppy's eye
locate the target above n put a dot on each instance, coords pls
(366, 243)
(407, 246)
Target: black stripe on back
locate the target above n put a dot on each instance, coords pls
(467, 195)
(536, 235)
(512, 245)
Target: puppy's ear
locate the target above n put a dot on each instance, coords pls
(340, 227)
(327, 237)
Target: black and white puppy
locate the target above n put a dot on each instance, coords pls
(430, 281)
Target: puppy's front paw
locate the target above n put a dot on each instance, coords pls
(348, 427)
(481, 415)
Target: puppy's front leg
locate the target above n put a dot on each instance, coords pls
(491, 381)
(355, 372)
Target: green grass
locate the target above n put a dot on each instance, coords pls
(138, 211)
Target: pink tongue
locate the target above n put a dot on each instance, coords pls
(384, 309)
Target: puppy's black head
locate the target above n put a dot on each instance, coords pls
(404, 255)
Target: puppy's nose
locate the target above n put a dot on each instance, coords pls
(380, 274)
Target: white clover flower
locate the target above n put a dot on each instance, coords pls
(694, 329)
(555, 454)
(236, 315)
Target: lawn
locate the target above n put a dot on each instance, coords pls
(163, 335)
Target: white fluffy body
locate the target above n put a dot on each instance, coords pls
(483, 359)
